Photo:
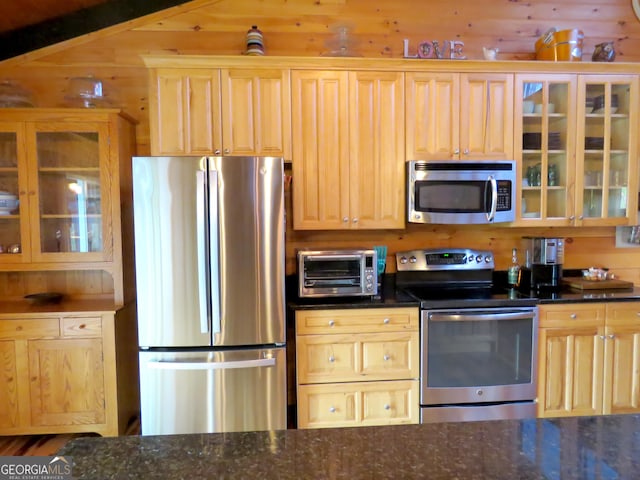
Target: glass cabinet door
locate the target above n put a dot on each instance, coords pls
(545, 107)
(607, 147)
(12, 190)
(71, 190)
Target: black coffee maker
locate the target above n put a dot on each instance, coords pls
(543, 263)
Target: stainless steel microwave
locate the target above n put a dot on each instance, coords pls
(461, 192)
(337, 273)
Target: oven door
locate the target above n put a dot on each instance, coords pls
(478, 356)
(461, 193)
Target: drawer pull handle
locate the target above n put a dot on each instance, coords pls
(573, 316)
(387, 407)
(332, 409)
(386, 321)
(386, 357)
(331, 323)
(332, 359)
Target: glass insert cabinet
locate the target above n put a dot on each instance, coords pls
(55, 183)
(577, 151)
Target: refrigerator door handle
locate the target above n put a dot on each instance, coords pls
(214, 247)
(168, 365)
(203, 288)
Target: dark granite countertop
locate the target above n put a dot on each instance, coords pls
(601, 447)
(392, 297)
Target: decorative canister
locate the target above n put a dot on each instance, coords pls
(255, 44)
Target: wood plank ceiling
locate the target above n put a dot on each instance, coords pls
(27, 25)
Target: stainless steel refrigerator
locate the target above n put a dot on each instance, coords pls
(210, 267)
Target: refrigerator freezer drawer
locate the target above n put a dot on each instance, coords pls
(213, 391)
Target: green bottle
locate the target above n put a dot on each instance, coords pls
(513, 274)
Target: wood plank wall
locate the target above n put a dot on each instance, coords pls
(376, 29)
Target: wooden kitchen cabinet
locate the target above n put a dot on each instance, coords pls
(357, 367)
(348, 150)
(67, 168)
(588, 359)
(58, 375)
(460, 116)
(575, 161)
(228, 111)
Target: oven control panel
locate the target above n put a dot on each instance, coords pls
(444, 259)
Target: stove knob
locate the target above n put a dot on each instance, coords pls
(470, 258)
(369, 277)
(403, 259)
(479, 259)
(487, 259)
(413, 259)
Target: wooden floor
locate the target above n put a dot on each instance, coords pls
(46, 445)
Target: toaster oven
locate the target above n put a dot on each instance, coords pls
(337, 273)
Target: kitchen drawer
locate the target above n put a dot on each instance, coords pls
(574, 314)
(359, 320)
(358, 404)
(623, 313)
(29, 328)
(82, 327)
(343, 358)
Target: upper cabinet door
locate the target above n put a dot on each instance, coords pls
(545, 138)
(320, 150)
(376, 158)
(70, 204)
(607, 150)
(432, 116)
(486, 120)
(256, 112)
(14, 212)
(185, 111)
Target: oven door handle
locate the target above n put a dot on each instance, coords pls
(475, 317)
(494, 198)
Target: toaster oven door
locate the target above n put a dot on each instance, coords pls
(336, 275)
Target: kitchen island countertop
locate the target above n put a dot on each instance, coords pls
(606, 447)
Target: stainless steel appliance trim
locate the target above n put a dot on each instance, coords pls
(214, 252)
(494, 198)
(484, 315)
(204, 288)
(169, 365)
(470, 413)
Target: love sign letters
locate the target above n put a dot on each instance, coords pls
(451, 49)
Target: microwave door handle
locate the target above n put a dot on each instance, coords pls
(494, 198)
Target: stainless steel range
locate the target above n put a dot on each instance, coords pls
(478, 340)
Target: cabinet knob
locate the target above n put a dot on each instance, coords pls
(226, 151)
(572, 218)
(456, 151)
(581, 217)
(332, 409)
(345, 219)
(611, 337)
(216, 151)
(332, 323)
(602, 337)
(387, 406)
(332, 359)
(466, 151)
(573, 316)
(355, 219)
(386, 357)
(387, 320)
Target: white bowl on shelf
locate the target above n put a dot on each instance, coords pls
(8, 203)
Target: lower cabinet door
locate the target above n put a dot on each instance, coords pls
(66, 381)
(358, 404)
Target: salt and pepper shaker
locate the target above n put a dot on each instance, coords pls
(255, 44)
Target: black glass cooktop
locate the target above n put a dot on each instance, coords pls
(452, 297)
